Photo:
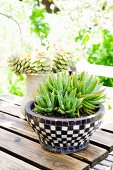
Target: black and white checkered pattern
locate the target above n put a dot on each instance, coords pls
(63, 135)
(64, 138)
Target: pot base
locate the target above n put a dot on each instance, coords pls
(66, 150)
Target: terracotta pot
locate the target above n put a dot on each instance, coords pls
(33, 82)
(63, 135)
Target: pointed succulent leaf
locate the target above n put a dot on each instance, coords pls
(60, 100)
(61, 111)
(41, 102)
(39, 109)
(70, 112)
(82, 77)
(88, 80)
(91, 87)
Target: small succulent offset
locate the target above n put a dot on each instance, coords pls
(25, 64)
(63, 60)
(20, 65)
(69, 95)
(42, 62)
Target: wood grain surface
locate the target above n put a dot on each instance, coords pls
(10, 98)
(103, 139)
(19, 143)
(8, 162)
(34, 154)
(17, 125)
(11, 109)
(92, 154)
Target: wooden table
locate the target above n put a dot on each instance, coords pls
(20, 148)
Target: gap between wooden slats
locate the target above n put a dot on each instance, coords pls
(102, 139)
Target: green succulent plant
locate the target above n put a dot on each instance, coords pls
(24, 64)
(42, 62)
(69, 95)
(63, 60)
(20, 65)
(90, 88)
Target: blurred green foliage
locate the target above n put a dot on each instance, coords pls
(72, 17)
(83, 36)
(38, 23)
(102, 53)
(16, 84)
(10, 83)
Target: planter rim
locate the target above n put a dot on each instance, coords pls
(35, 74)
(29, 105)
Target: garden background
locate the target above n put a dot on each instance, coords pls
(85, 27)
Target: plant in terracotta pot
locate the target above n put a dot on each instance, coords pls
(67, 111)
(36, 67)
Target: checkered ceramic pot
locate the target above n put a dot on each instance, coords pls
(63, 135)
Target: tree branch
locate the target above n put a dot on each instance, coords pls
(13, 20)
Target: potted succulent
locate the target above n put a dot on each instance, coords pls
(38, 66)
(67, 111)
(63, 60)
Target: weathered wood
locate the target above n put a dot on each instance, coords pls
(106, 163)
(11, 109)
(100, 167)
(110, 158)
(30, 151)
(103, 139)
(17, 125)
(107, 127)
(11, 98)
(8, 162)
(34, 154)
(92, 154)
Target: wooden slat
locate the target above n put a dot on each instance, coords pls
(11, 109)
(20, 126)
(33, 152)
(92, 154)
(11, 98)
(8, 162)
(107, 127)
(101, 167)
(17, 125)
(110, 158)
(106, 163)
(103, 139)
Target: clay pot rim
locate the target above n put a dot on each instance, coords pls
(35, 74)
